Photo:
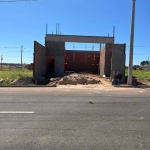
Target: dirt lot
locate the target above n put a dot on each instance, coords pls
(81, 80)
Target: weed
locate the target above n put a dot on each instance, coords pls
(11, 74)
(141, 75)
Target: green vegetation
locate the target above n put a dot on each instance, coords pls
(10, 75)
(144, 63)
(141, 75)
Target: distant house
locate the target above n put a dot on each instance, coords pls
(146, 67)
(30, 66)
(139, 68)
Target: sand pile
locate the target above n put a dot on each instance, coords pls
(75, 79)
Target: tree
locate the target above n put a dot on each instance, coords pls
(135, 66)
(143, 63)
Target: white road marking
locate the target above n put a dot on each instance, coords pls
(16, 112)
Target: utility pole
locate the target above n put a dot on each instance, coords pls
(131, 44)
(1, 61)
(93, 48)
(21, 55)
(46, 28)
(148, 64)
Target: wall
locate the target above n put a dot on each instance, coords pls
(108, 55)
(118, 59)
(59, 66)
(105, 60)
(102, 62)
(39, 68)
(80, 61)
(57, 50)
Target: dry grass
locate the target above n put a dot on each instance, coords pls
(141, 75)
(10, 75)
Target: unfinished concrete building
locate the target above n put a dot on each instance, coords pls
(53, 59)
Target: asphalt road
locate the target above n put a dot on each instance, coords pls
(74, 119)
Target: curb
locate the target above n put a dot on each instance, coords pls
(132, 86)
(26, 86)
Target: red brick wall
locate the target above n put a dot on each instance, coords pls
(80, 61)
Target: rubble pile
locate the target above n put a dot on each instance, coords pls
(75, 79)
(2, 80)
(23, 81)
(72, 79)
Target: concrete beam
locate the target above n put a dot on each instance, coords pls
(82, 51)
(79, 39)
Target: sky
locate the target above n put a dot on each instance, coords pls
(24, 21)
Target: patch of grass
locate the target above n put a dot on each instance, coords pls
(11, 74)
(141, 75)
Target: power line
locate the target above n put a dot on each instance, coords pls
(7, 1)
(15, 56)
(142, 55)
(8, 51)
(9, 47)
(74, 47)
(140, 46)
(17, 0)
(13, 47)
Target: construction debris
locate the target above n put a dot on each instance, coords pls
(23, 81)
(75, 79)
(72, 79)
(2, 80)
